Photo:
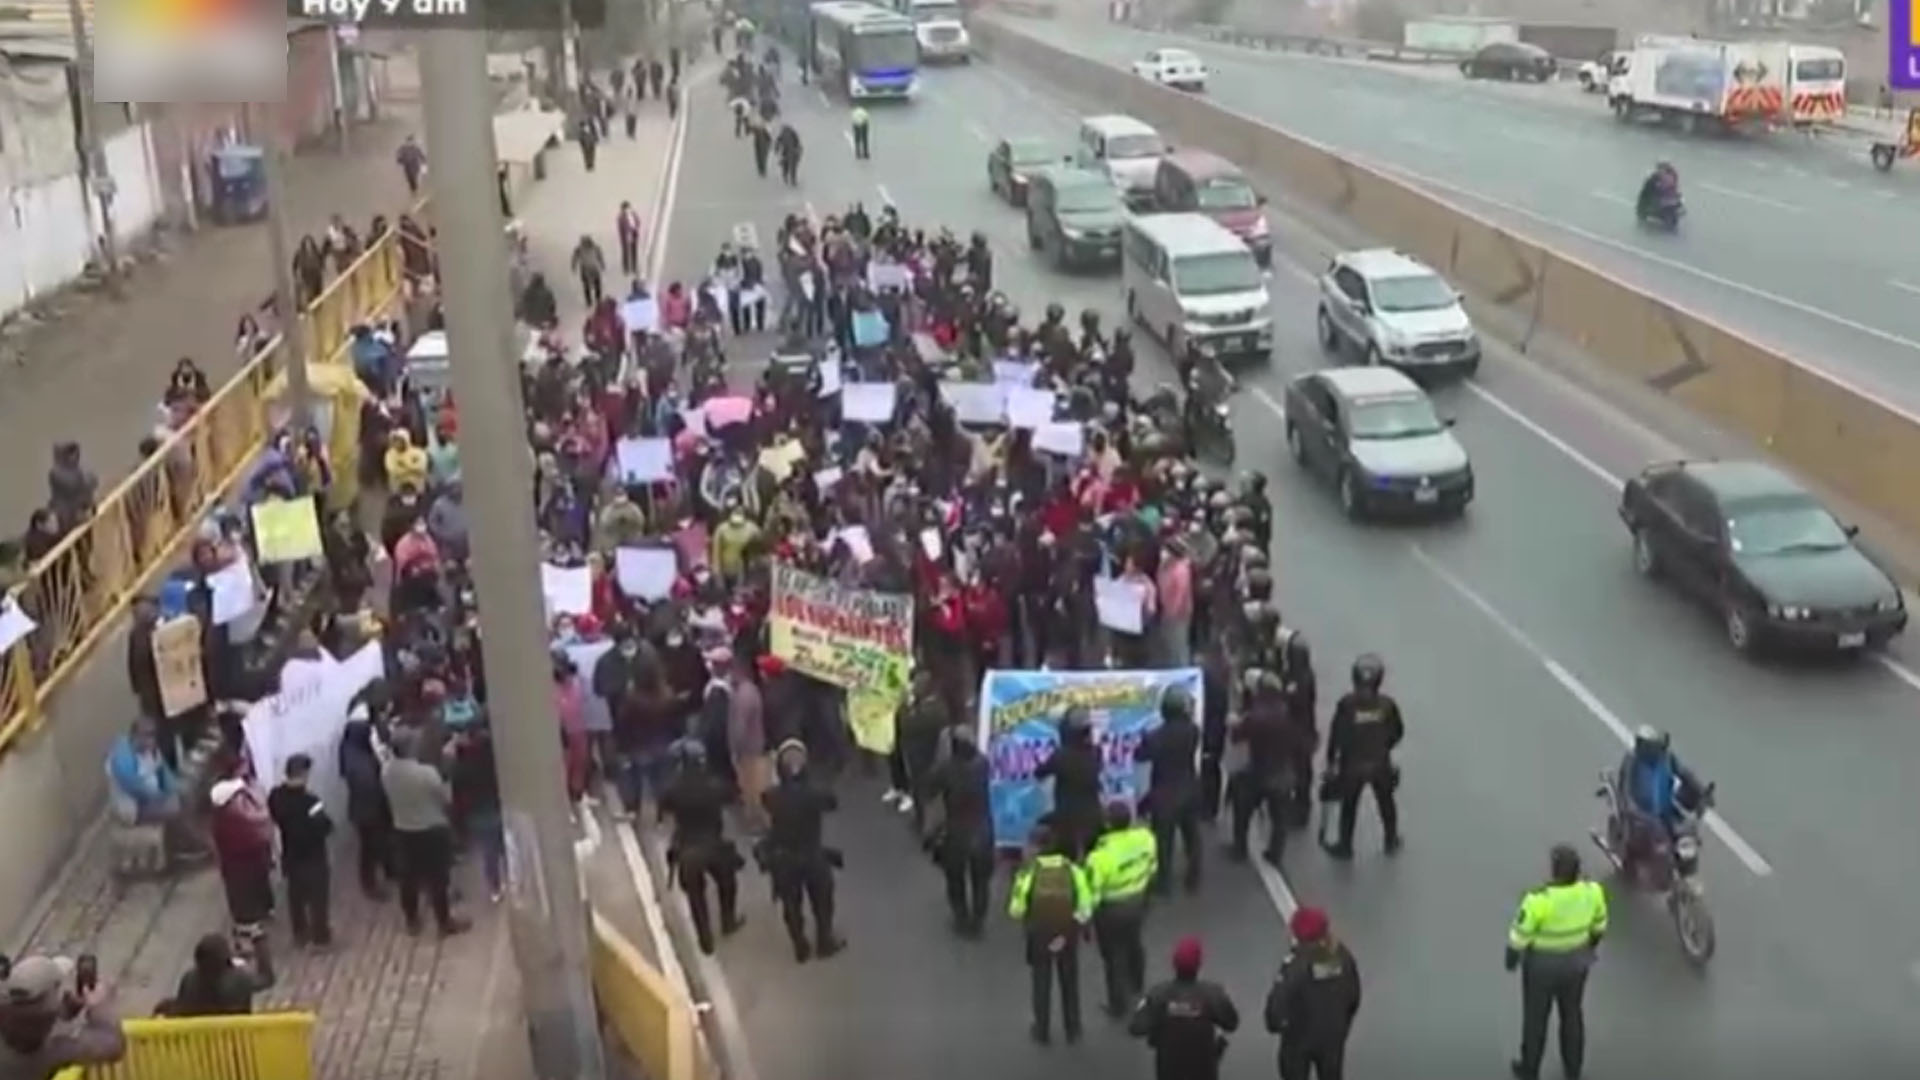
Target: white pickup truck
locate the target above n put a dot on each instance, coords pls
(1593, 74)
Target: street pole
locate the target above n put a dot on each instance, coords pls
(547, 913)
(94, 169)
(262, 124)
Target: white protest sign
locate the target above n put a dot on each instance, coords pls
(568, 589)
(888, 276)
(645, 461)
(14, 624)
(646, 573)
(975, 403)
(640, 313)
(1066, 440)
(869, 403)
(858, 542)
(1121, 604)
(1029, 408)
(307, 716)
(231, 591)
(930, 543)
(1014, 373)
(829, 376)
(825, 479)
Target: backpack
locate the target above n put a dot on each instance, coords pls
(1051, 900)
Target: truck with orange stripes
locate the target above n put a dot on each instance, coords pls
(1700, 85)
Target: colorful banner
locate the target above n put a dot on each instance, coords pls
(853, 638)
(1903, 39)
(1020, 715)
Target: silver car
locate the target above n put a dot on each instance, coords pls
(1392, 309)
(1372, 433)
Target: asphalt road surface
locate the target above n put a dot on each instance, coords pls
(1519, 643)
(1791, 243)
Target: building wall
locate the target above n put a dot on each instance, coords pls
(47, 227)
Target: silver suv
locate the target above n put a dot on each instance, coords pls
(1392, 309)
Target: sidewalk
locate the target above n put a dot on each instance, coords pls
(95, 371)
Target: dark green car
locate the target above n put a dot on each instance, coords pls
(1074, 217)
(1011, 160)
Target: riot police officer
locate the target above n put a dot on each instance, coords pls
(1186, 1019)
(1265, 780)
(696, 799)
(1074, 768)
(1300, 691)
(1313, 1000)
(1253, 496)
(1216, 674)
(1173, 795)
(795, 855)
(1366, 728)
(963, 839)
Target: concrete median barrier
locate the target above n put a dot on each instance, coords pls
(1836, 435)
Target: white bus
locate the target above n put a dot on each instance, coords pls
(866, 50)
(941, 28)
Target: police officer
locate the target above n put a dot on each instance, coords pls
(1253, 496)
(1552, 942)
(1173, 787)
(1264, 781)
(1313, 1000)
(1053, 901)
(1074, 767)
(963, 839)
(793, 853)
(1365, 729)
(1216, 675)
(1300, 692)
(1120, 868)
(700, 852)
(861, 148)
(1186, 1020)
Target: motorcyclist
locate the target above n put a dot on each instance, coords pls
(1656, 790)
(1661, 188)
(1207, 384)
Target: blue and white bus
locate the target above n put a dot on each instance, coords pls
(868, 51)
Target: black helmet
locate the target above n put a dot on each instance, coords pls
(1056, 313)
(1237, 516)
(1078, 721)
(1253, 482)
(1252, 558)
(1089, 319)
(1368, 672)
(1260, 616)
(1217, 501)
(1260, 586)
(1120, 334)
(1176, 704)
(1212, 485)
(1299, 654)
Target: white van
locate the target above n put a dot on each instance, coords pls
(1188, 279)
(1127, 150)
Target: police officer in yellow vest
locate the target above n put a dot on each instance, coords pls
(1552, 942)
(1120, 868)
(1053, 900)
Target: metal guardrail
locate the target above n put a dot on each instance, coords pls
(656, 1025)
(77, 592)
(267, 1046)
(1312, 45)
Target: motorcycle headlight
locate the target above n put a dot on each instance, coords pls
(1220, 410)
(1687, 848)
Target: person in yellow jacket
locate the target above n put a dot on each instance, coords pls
(1053, 900)
(406, 463)
(1552, 942)
(862, 149)
(1120, 868)
(731, 538)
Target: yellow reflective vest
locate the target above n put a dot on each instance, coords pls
(1122, 864)
(1560, 918)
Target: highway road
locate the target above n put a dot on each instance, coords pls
(1792, 243)
(1521, 646)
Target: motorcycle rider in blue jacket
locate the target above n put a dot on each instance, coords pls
(1655, 790)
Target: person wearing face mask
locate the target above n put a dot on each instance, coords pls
(304, 829)
(730, 543)
(795, 854)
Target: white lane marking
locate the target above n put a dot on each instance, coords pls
(1607, 196)
(1902, 285)
(1639, 252)
(1845, 185)
(1571, 683)
(1260, 394)
(1275, 883)
(848, 135)
(1898, 670)
(978, 132)
(885, 195)
(664, 227)
(1759, 200)
(1572, 453)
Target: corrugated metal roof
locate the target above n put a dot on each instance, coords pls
(45, 12)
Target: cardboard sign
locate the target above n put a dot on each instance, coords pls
(176, 658)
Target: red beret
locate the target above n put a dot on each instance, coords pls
(1308, 924)
(1187, 954)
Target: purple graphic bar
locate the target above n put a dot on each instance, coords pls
(1903, 66)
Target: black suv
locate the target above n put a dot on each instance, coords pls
(1074, 216)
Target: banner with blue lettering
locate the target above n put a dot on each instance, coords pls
(1020, 714)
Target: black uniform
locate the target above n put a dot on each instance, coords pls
(1266, 780)
(1360, 743)
(1075, 770)
(1186, 1021)
(963, 841)
(1311, 1007)
(1300, 693)
(1173, 794)
(801, 865)
(696, 799)
(1214, 674)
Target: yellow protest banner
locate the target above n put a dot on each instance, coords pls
(176, 660)
(286, 530)
(779, 460)
(858, 639)
(871, 715)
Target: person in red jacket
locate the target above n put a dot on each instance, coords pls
(986, 612)
(243, 846)
(947, 621)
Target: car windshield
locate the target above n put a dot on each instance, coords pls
(936, 12)
(1030, 153)
(1820, 70)
(1413, 292)
(1230, 194)
(1404, 417)
(1783, 526)
(1086, 198)
(1178, 59)
(892, 50)
(1212, 275)
(1133, 146)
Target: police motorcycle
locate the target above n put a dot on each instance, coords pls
(1669, 866)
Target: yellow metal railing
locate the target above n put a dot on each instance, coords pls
(79, 590)
(655, 1023)
(270, 1046)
